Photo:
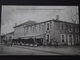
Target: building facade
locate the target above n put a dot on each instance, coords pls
(19, 29)
(52, 30)
(9, 36)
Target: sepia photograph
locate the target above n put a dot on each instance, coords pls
(39, 30)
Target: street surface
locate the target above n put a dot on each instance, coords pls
(40, 50)
(13, 50)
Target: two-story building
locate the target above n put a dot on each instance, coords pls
(51, 30)
(19, 29)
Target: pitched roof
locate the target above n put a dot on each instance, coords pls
(27, 23)
(54, 21)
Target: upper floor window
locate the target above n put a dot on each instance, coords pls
(70, 28)
(27, 29)
(77, 38)
(76, 30)
(48, 26)
(42, 27)
(39, 27)
(10, 37)
(30, 29)
(62, 26)
(33, 28)
(24, 31)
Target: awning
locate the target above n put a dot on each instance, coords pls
(31, 35)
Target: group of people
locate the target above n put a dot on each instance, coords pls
(45, 43)
(51, 43)
(7, 42)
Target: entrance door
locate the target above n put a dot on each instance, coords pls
(70, 40)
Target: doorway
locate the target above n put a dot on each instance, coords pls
(70, 40)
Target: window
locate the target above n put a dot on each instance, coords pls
(33, 28)
(27, 29)
(48, 37)
(62, 26)
(39, 27)
(70, 37)
(42, 27)
(62, 38)
(70, 28)
(48, 26)
(77, 38)
(76, 30)
(24, 31)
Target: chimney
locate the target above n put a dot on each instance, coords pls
(57, 17)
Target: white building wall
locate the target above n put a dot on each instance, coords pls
(18, 31)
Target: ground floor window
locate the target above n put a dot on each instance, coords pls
(48, 38)
(77, 38)
(62, 37)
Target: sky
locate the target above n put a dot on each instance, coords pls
(11, 14)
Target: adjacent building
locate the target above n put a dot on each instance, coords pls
(51, 30)
(9, 36)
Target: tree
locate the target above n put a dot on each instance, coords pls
(73, 14)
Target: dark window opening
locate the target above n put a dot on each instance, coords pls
(47, 38)
(77, 38)
(42, 27)
(47, 26)
(62, 26)
(70, 27)
(62, 38)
